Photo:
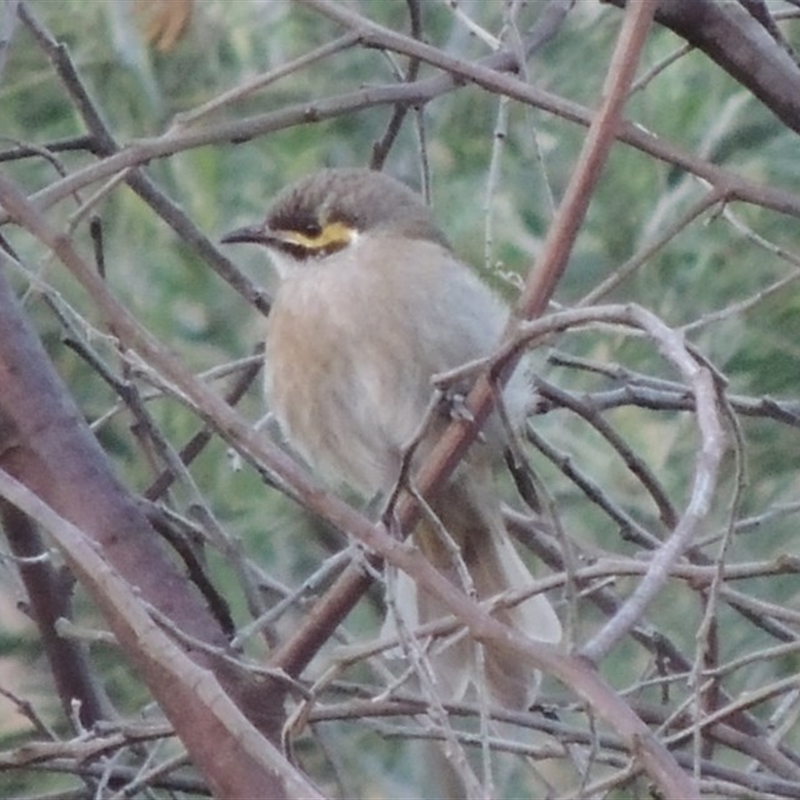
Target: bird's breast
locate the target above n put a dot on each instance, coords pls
(353, 342)
(341, 379)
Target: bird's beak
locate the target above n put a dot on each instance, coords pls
(256, 234)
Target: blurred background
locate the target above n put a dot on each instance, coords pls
(495, 170)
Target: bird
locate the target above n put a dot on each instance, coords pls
(371, 303)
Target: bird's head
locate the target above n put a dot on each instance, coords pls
(330, 210)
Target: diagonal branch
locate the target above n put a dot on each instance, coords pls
(573, 671)
(487, 73)
(210, 725)
(742, 46)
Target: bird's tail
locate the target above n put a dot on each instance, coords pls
(469, 511)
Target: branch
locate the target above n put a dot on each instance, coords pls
(574, 671)
(235, 758)
(486, 73)
(742, 46)
(49, 600)
(104, 144)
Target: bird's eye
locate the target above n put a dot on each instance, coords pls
(311, 229)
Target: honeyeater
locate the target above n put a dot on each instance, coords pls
(371, 303)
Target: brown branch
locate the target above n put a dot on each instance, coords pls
(49, 600)
(47, 446)
(235, 759)
(486, 73)
(381, 148)
(661, 667)
(137, 179)
(198, 442)
(573, 671)
(637, 466)
(742, 46)
(454, 443)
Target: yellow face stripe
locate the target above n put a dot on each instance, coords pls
(333, 236)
